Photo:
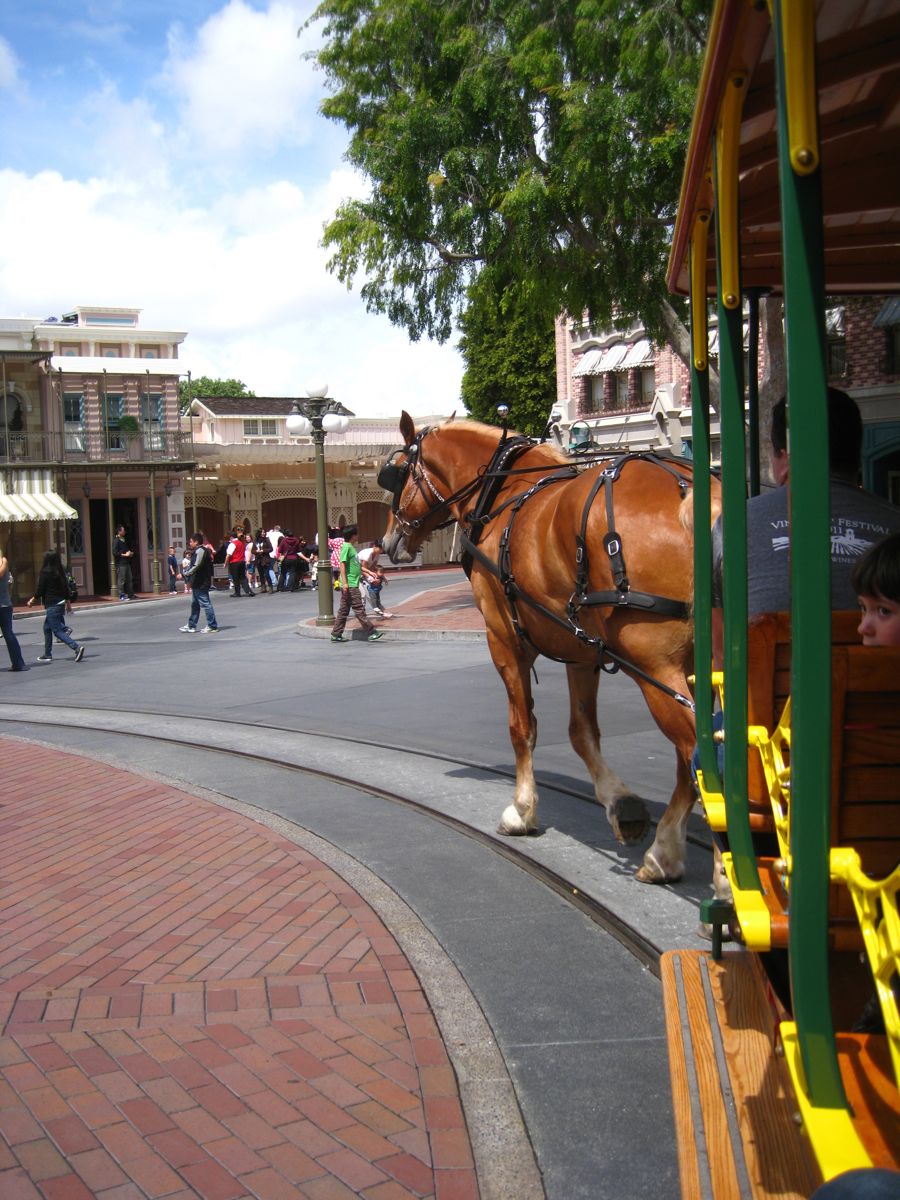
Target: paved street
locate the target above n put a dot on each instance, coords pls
(247, 866)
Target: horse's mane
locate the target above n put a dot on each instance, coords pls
(478, 432)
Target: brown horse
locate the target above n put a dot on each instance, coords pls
(523, 574)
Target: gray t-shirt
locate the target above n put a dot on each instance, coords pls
(858, 519)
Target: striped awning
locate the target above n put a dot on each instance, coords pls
(640, 355)
(35, 506)
(588, 363)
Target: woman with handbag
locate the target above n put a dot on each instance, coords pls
(53, 588)
(6, 618)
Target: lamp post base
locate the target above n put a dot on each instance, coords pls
(323, 619)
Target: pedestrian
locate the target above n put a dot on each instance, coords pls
(53, 589)
(373, 576)
(350, 573)
(335, 541)
(17, 662)
(172, 565)
(250, 564)
(235, 557)
(262, 550)
(199, 574)
(185, 563)
(291, 557)
(122, 555)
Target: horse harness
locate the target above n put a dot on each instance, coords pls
(393, 477)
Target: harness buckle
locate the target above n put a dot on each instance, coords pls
(613, 546)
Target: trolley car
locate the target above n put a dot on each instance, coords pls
(792, 185)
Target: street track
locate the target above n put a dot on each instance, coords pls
(90, 720)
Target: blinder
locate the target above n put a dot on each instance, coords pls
(392, 477)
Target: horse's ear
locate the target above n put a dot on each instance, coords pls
(407, 428)
(452, 417)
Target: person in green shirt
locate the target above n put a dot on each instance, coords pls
(351, 572)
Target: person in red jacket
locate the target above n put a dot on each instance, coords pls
(236, 559)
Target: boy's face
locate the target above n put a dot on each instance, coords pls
(880, 621)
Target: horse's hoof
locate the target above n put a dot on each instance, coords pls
(629, 820)
(652, 871)
(512, 825)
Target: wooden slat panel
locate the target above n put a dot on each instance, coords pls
(729, 1024)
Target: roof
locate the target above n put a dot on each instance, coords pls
(254, 406)
(859, 135)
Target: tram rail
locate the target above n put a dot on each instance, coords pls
(520, 852)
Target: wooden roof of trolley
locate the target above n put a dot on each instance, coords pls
(859, 133)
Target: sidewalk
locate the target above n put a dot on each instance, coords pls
(193, 1005)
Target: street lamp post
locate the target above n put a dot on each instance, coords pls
(318, 414)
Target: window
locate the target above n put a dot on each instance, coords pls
(622, 389)
(260, 427)
(648, 385)
(836, 344)
(108, 350)
(115, 408)
(149, 352)
(892, 365)
(73, 418)
(68, 350)
(152, 421)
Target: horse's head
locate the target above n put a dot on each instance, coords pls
(421, 497)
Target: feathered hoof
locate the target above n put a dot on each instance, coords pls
(652, 871)
(512, 825)
(629, 819)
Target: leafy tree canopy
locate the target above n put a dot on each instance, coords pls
(539, 141)
(204, 386)
(510, 359)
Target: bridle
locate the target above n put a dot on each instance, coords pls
(394, 476)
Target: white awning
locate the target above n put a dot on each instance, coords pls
(35, 506)
(612, 357)
(588, 364)
(640, 355)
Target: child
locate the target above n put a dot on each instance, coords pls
(375, 581)
(185, 564)
(172, 565)
(876, 580)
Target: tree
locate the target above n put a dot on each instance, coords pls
(510, 359)
(204, 386)
(539, 141)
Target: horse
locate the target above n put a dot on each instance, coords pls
(547, 566)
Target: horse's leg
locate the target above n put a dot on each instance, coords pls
(626, 812)
(664, 861)
(514, 667)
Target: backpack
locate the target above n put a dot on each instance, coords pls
(71, 587)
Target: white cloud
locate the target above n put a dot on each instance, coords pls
(245, 278)
(197, 205)
(9, 66)
(241, 83)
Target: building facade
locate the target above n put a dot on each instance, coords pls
(617, 392)
(252, 471)
(90, 438)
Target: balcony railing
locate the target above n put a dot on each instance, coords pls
(83, 446)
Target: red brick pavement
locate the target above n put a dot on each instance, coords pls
(192, 1005)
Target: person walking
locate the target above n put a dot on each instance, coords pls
(199, 575)
(350, 573)
(122, 556)
(53, 589)
(17, 662)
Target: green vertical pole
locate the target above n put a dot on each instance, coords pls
(734, 501)
(807, 385)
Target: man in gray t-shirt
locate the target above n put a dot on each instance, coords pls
(857, 518)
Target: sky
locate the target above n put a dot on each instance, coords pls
(170, 156)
